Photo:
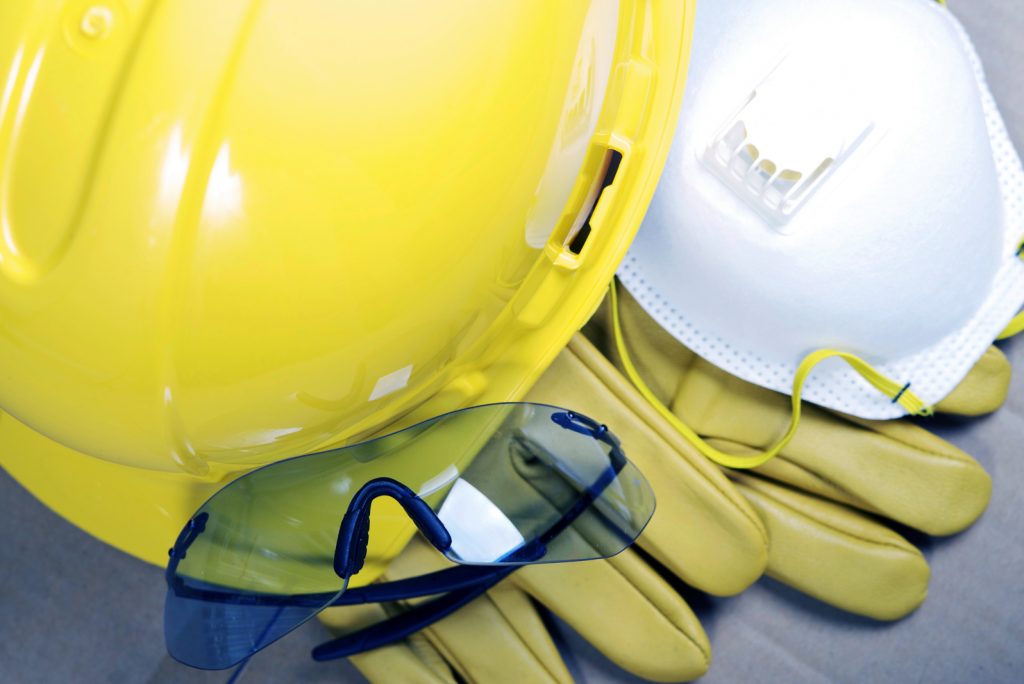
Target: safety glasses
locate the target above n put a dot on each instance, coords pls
(491, 487)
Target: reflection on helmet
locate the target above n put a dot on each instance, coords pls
(236, 232)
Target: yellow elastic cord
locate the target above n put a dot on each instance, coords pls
(900, 394)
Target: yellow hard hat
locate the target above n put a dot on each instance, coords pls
(239, 231)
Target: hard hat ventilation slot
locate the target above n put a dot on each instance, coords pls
(577, 237)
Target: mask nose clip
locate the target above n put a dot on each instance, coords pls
(354, 532)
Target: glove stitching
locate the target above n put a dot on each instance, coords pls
(693, 642)
(526, 643)
(461, 667)
(953, 457)
(677, 628)
(829, 526)
(856, 499)
(446, 653)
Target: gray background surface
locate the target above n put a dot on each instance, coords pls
(72, 609)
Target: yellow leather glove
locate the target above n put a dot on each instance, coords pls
(703, 533)
(820, 543)
(812, 497)
(497, 638)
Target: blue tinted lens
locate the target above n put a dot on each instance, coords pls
(210, 628)
(550, 486)
(511, 484)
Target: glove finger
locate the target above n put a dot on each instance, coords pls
(835, 554)
(413, 660)
(894, 468)
(904, 472)
(500, 637)
(697, 507)
(627, 611)
(983, 390)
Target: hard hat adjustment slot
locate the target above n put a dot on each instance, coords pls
(580, 232)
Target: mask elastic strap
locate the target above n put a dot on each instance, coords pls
(900, 394)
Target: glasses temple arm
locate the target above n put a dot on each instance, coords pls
(594, 491)
(438, 582)
(411, 621)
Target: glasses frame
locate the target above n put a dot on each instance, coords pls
(456, 586)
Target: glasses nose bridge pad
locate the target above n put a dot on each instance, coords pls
(354, 532)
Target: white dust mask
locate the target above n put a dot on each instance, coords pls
(840, 179)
